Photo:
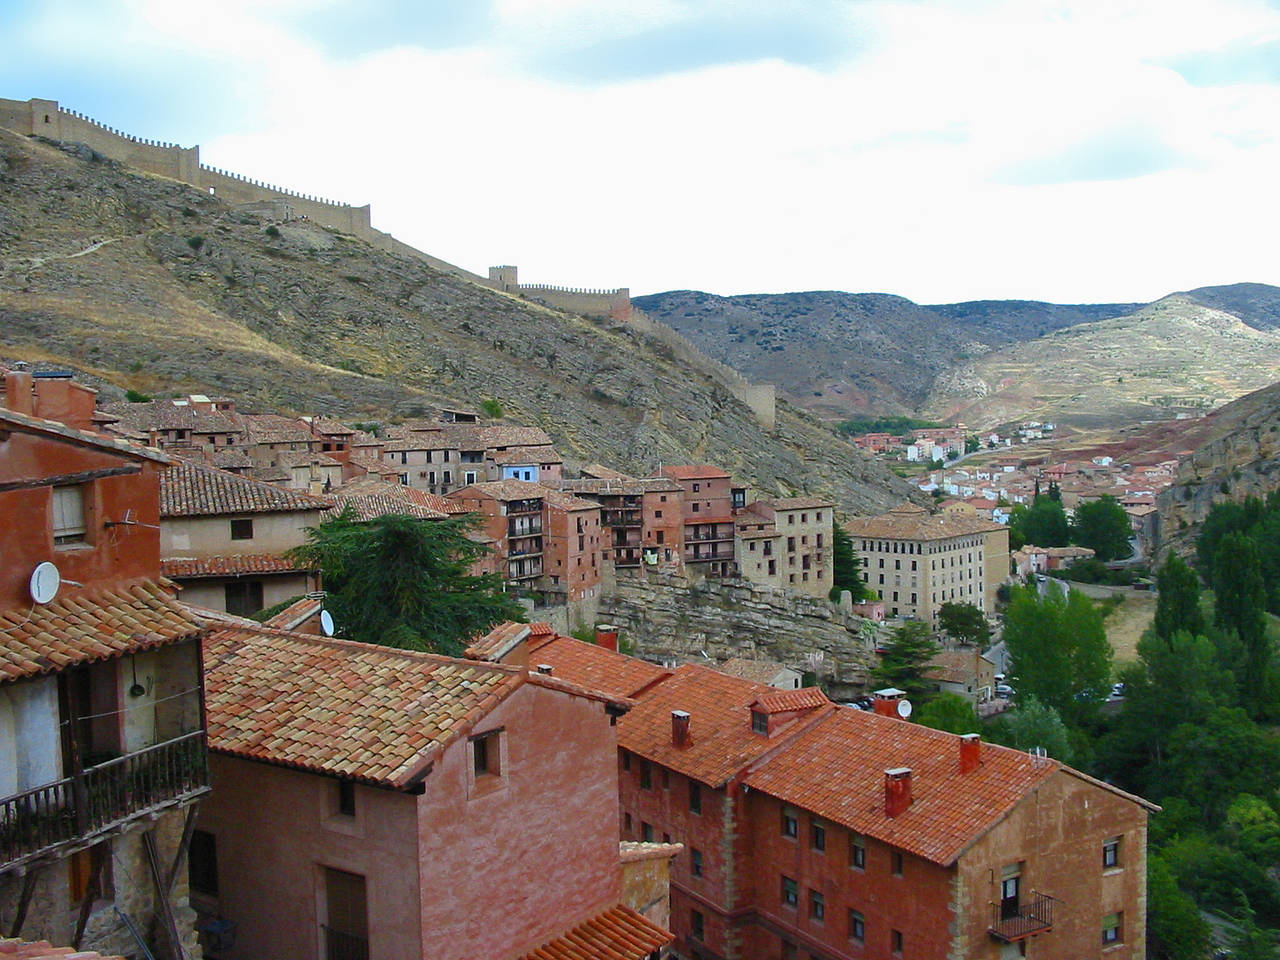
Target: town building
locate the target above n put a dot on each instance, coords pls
(226, 538)
(763, 671)
(408, 805)
(965, 673)
(442, 457)
(786, 542)
(643, 519)
(708, 501)
(917, 561)
(102, 742)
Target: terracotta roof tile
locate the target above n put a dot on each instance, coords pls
(193, 489)
(498, 642)
(366, 712)
(757, 671)
(171, 415)
(44, 950)
(270, 428)
(505, 490)
(696, 471)
(618, 933)
(594, 667)
(910, 522)
(370, 498)
(538, 454)
(784, 701)
(181, 568)
(620, 486)
(835, 768)
(92, 625)
(564, 501)
(954, 666)
(800, 503)
(721, 741)
(302, 609)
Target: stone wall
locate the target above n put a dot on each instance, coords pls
(668, 616)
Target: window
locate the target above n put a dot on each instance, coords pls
(657, 514)
(817, 835)
(666, 779)
(243, 597)
(626, 822)
(346, 798)
(646, 832)
(760, 722)
(817, 906)
(697, 926)
(791, 518)
(346, 927)
(68, 515)
(662, 536)
(486, 754)
(695, 797)
(1111, 853)
(895, 862)
(857, 926)
(242, 529)
(626, 760)
(696, 508)
(857, 852)
(1112, 929)
(790, 825)
(695, 862)
(202, 861)
(646, 775)
(1010, 891)
(790, 892)
(697, 487)
(895, 941)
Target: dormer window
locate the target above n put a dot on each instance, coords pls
(760, 722)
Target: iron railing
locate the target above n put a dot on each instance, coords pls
(1016, 922)
(344, 946)
(38, 821)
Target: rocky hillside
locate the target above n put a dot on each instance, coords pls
(991, 362)
(143, 283)
(847, 353)
(1236, 454)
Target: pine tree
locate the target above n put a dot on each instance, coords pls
(1178, 600)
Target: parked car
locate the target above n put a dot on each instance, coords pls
(1004, 691)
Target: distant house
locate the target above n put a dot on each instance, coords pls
(965, 673)
(708, 502)
(763, 671)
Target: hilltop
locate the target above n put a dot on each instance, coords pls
(144, 283)
(993, 361)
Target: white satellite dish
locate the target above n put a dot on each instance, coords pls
(45, 582)
(326, 622)
(904, 708)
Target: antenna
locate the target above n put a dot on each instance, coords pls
(904, 709)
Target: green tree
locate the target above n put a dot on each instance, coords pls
(1059, 650)
(1034, 724)
(1103, 526)
(1238, 605)
(950, 712)
(492, 408)
(1043, 524)
(964, 622)
(1178, 599)
(403, 582)
(905, 659)
(1254, 828)
(1211, 763)
(1177, 931)
(845, 566)
(1223, 519)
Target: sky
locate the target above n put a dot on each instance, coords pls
(941, 150)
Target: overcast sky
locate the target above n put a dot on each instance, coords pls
(1092, 151)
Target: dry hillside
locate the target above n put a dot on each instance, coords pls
(144, 283)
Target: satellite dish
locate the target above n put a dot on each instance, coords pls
(326, 622)
(904, 708)
(45, 581)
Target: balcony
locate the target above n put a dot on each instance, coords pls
(1017, 921)
(37, 822)
(345, 946)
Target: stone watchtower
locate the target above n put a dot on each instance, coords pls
(504, 278)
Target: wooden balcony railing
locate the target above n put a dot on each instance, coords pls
(1031, 916)
(38, 821)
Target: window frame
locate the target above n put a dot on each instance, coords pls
(695, 798)
(857, 852)
(817, 835)
(1111, 853)
(790, 893)
(790, 823)
(857, 926)
(238, 527)
(1113, 933)
(695, 862)
(817, 906)
(69, 499)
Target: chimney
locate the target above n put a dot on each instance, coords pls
(545, 668)
(887, 700)
(679, 728)
(17, 392)
(897, 791)
(970, 752)
(607, 636)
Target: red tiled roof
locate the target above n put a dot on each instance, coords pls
(52, 427)
(369, 498)
(192, 489)
(504, 490)
(44, 950)
(696, 471)
(183, 568)
(721, 741)
(529, 455)
(348, 709)
(800, 503)
(911, 522)
(498, 642)
(618, 933)
(566, 501)
(835, 768)
(757, 671)
(594, 667)
(783, 701)
(92, 625)
(302, 609)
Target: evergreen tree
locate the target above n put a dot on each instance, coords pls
(1177, 929)
(1178, 600)
(404, 582)
(964, 622)
(949, 712)
(1104, 527)
(1044, 524)
(905, 659)
(1239, 602)
(846, 565)
(1034, 724)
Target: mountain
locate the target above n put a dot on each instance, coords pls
(144, 283)
(992, 361)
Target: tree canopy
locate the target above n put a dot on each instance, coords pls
(845, 566)
(950, 712)
(1044, 524)
(905, 659)
(1178, 599)
(1103, 526)
(964, 622)
(404, 582)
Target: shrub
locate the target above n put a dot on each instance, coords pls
(188, 212)
(272, 231)
(492, 408)
(134, 396)
(196, 242)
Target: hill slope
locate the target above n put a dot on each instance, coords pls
(142, 282)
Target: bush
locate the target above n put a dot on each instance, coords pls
(272, 231)
(196, 242)
(492, 408)
(134, 396)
